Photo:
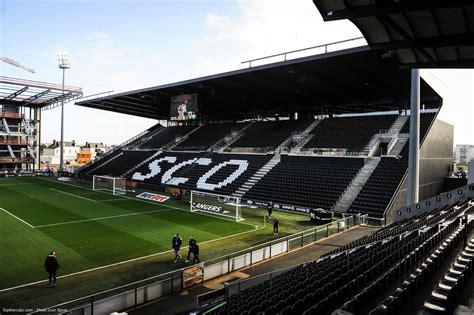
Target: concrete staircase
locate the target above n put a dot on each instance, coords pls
(356, 185)
(401, 141)
(141, 163)
(221, 145)
(305, 136)
(175, 143)
(399, 123)
(252, 181)
(393, 133)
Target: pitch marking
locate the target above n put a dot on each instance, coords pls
(122, 262)
(66, 193)
(101, 218)
(31, 226)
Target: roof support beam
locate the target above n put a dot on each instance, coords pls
(34, 97)
(407, 36)
(15, 94)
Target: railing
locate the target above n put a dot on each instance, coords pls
(134, 294)
(329, 152)
(290, 243)
(11, 115)
(95, 96)
(285, 54)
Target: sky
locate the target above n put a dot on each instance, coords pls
(117, 45)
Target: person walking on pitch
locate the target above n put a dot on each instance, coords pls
(51, 265)
(196, 253)
(176, 245)
(191, 243)
(275, 226)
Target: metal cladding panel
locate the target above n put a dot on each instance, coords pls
(403, 23)
(358, 3)
(466, 52)
(450, 21)
(332, 5)
(374, 30)
(420, 56)
(469, 12)
(406, 56)
(417, 25)
(423, 24)
(446, 53)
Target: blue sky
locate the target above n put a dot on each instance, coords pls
(124, 45)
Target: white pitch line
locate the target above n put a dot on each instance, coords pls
(16, 184)
(31, 226)
(66, 193)
(122, 262)
(101, 218)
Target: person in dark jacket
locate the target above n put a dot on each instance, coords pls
(191, 243)
(196, 253)
(176, 245)
(51, 265)
(270, 209)
(275, 226)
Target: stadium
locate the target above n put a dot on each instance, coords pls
(311, 185)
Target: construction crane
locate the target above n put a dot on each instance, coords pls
(16, 64)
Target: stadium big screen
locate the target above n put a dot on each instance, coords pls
(184, 107)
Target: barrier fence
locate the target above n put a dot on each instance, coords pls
(140, 292)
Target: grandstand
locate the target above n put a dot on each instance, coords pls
(280, 133)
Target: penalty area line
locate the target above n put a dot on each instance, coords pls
(31, 226)
(101, 218)
(66, 193)
(122, 262)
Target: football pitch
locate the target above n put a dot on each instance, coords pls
(90, 229)
(104, 241)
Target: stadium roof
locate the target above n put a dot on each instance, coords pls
(346, 81)
(422, 33)
(29, 93)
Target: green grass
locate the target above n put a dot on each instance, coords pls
(91, 229)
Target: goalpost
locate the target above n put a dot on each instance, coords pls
(115, 185)
(226, 206)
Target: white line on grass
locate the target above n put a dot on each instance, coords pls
(149, 202)
(31, 226)
(107, 200)
(101, 218)
(123, 262)
(66, 193)
(16, 184)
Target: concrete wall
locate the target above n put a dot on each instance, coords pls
(436, 157)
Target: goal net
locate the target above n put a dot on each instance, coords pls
(112, 184)
(226, 206)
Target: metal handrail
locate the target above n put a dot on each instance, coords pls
(300, 50)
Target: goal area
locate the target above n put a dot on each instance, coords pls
(114, 185)
(221, 205)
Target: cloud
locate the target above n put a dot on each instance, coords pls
(261, 28)
(99, 64)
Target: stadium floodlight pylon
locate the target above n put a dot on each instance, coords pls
(116, 185)
(220, 205)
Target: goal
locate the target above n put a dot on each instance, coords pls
(115, 185)
(221, 205)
